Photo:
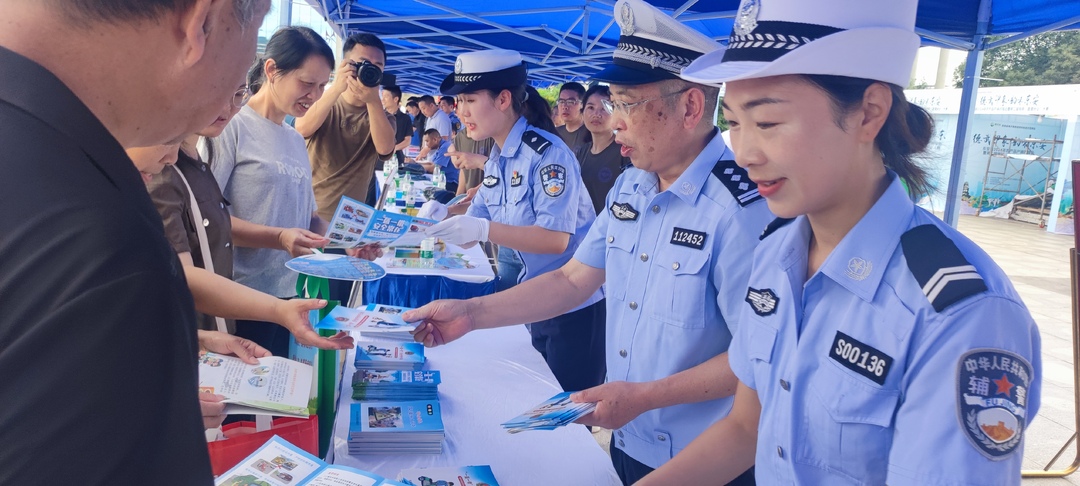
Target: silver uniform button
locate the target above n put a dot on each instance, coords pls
(785, 385)
(655, 209)
(675, 266)
(661, 438)
(633, 306)
(620, 434)
(611, 239)
(206, 222)
(644, 257)
(780, 451)
(227, 245)
(622, 352)
(621, 443)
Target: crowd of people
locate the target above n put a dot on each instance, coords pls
(776, 311)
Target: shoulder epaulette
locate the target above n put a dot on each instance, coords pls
(535, 141)
(773, 226)
(937, 264)
(737, 181)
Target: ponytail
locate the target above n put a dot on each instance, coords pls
(905, 134)
(256, 75)
(535, 109)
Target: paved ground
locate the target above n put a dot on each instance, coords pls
(1038, 264)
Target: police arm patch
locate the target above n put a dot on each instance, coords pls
(553, 178)
(992, 387)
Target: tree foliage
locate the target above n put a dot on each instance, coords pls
(1050, 58)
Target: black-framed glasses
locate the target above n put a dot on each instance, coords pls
(624, 108)
(241, 97)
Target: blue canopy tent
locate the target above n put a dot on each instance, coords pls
(565, 40)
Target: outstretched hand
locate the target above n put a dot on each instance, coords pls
(617, 403)
(441, 322)
(293, 315)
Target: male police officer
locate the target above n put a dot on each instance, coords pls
(674, 247)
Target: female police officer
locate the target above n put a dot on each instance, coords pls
(532, 200)
(879, 345)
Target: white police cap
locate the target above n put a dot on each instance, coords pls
(653, 45)
(487, 69)
(854, 38)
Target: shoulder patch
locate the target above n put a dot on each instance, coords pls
(773, 226)
(937, 264)
(553, 178)
(737, 181)
(535, 141)
(992, 387)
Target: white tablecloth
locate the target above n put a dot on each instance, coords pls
(488, 377)
(482, 272)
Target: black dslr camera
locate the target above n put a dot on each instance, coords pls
(367, 73)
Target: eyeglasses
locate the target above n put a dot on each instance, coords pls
(624, 108)
(567, 102)
(241, 97)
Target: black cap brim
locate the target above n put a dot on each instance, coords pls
(618, 74)
(457, 83)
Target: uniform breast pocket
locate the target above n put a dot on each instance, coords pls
(519, 207)
(620, 250)
(680, 290)
(847, 426)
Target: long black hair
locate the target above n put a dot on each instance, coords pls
(905, 134)
(289, 47)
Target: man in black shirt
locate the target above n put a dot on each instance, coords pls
(97, 335)
(391, 97)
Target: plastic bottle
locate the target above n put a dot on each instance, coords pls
(438, 178)
(427, 253)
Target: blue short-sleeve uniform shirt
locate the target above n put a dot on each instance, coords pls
(535, 180)
(907, 358)
(676, 263)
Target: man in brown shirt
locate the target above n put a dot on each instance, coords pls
(348, 130)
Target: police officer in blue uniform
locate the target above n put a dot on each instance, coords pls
(878, 345)
(673, 246)
(531, 201)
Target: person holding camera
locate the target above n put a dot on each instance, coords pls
(347, 129)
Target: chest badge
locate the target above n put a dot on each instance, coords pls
(688, 238)
(623, 211)
(515, 180)
(553, 177)
(858, 269)
(992, 385)
(491, 181)
(763, 302)
(861, 358)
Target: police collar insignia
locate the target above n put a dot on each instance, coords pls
(491, 181)
(746, 17)
(515, 180)
(553, 177)
(763, 302)
(623, 211)
(858, 269)
(992, 385)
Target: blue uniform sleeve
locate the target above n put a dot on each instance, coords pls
(592, 250)
(556, 191)
(740, 234)
(956, 423)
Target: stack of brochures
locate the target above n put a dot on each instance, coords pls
(378, 355)
(458, 476)
(396, 427)
(278, 462)
(382, 385)
(555, 412)
(383, 321)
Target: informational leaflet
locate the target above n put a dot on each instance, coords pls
(555, 412)
(279, 463)
(356, 224)
(373, 318)
(275, 386)
(458, 476)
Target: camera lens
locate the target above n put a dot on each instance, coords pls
(369, 74)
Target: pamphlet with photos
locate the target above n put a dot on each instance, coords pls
(275, 386)
(279, 463)
(555, 412)
(378, 385)
(356, 224)
(395, 427)
(373, 318)
(458, 476)
(382, 355)
(338, 267)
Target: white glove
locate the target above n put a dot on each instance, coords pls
(461, 230)
(432, 210)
